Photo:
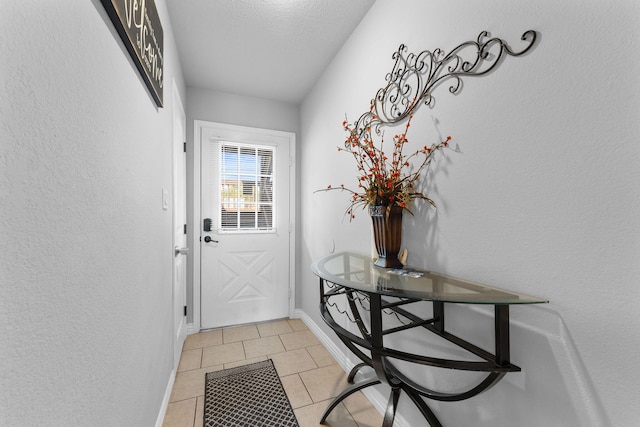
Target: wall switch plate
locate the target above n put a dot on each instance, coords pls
(165, 199)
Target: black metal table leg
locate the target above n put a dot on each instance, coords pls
(427, 413)
(392, 405)
(502, 341)
(354, 371)
(346, 393)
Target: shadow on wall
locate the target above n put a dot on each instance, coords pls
(553, 388)
(425, 216)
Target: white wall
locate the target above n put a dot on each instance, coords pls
(228, 108)
(541, 196)
(86, 306)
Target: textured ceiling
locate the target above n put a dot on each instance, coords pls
(274, 49)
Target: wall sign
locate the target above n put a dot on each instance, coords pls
(139, 27)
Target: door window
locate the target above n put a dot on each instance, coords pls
(246, 188)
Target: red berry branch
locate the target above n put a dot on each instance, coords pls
(384, 180)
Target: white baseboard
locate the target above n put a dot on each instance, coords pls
(377, 399)
(165, 399)
(172, 378)
(337, 354)
(191, 329)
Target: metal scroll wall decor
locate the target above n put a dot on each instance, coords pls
(414, 77)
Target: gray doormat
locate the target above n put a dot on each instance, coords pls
(247, 396)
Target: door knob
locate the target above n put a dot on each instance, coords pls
(208, 239)
(181, 251)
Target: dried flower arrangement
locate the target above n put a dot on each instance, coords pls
(386, 179)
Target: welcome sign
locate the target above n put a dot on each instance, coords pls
(139, 27)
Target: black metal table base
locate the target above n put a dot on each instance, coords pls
(392, 405)
(346, 393)
(369, 347)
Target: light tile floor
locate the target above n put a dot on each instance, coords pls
(309, 374)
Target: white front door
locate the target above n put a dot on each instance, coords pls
(245, 226)
(179, 228)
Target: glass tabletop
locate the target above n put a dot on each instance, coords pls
(357, 272)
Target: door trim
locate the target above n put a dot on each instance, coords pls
(198, 125)
(179, 117)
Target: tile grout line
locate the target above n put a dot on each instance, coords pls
(195, 411)
(282, 342)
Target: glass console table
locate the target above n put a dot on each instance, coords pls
(366, 292)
